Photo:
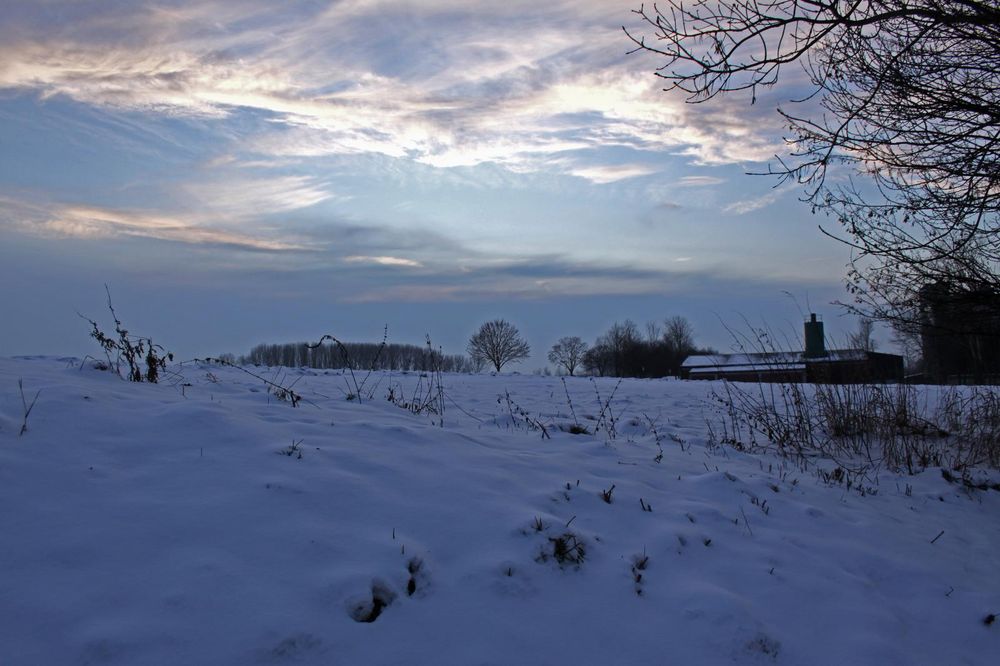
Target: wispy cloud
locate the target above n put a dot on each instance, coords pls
(699, 181)
(443, 83)
(383, 261)
(241, 197)
(538, 277)
(91, 222)
(745, 206)
(610, 173)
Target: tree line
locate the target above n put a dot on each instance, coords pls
(623, 351)
(358, 355)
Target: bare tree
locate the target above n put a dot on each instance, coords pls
(623, 352)
(898, 138)
(863, 337)
(568, 352)
(498, 342)
(620, 340)
(679, 335)
(906, 338)
(598, 360)
(653, 332)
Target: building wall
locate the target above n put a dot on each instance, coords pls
(874, 367)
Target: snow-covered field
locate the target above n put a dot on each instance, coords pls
(167, 524)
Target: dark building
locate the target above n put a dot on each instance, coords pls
(960, 333)
(815, 364)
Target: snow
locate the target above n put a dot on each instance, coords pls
(164, 524)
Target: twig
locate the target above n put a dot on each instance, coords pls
(746, 521)
(293, 396)
(347, 358)
(27, 407)
(569, 401)
(471, 416)
(938, 536)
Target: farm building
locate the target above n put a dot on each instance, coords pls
(815, 364)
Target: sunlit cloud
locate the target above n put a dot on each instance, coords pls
(602, 174)
(745, 206)
(699, 181)
(240, 198)
(515, 94)
(91, 222)
(383, 261)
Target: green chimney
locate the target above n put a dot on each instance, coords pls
(815, 346)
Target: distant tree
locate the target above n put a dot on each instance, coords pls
(568, 353)
(623, 352)
(653, 332)
(679, 334)
(357, 355)
(907, 339)
(863, 338)
(498, 342)
(622, 340)
(598, 360)
(477, 363)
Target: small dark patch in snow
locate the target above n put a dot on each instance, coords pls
(567, 549)
(294, 646)
(417, 575)
(765, 645)
(370, 610)
(537, 525)
(101, 652)
(639, 564)
(989, 619)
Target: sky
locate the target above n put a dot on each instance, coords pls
(259, 171)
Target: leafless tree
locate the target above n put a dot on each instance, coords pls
(906, 338)
(623, 352)
(653, 332)
(679, 335)
(897, 136)
(863, 337)
(499, 343)
(568, 353)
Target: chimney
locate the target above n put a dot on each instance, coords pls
(815, 345)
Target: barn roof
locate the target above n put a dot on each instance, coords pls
(790, 360)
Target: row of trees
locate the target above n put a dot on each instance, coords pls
(366, 355)
(621, 352)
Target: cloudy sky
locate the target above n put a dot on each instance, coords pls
(250, 171)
